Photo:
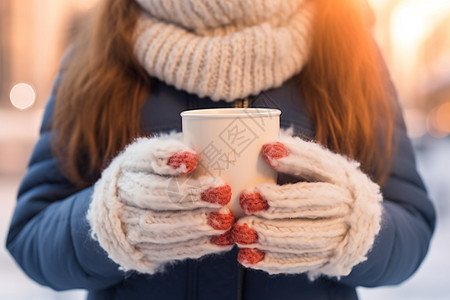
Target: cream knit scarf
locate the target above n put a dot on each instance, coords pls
(223, 49)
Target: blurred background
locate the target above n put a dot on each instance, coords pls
(414, 36)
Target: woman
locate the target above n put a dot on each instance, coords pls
(93, 210)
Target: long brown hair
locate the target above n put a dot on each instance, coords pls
(99, 98)
(346, 89)
(103, 88)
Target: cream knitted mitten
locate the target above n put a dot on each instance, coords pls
(323, 225)
(147, 210)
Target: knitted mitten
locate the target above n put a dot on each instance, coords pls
(148, 209)
(323, 225)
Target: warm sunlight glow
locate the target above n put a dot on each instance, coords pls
(412, 20)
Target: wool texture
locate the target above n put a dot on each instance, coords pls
(146, 211)
(225, 50)
(325, 224)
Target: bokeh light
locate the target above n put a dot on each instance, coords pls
(438, 122)
(415, 120)
(22, 96)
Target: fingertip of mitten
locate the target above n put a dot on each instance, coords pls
(220, 195)
(273, 151)
(185, 161)
(225, 239)
(253, 202)
(243, 234)
(220, 221)
(248, 256)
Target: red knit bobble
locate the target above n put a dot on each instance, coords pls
(253, 202)
(248, 256)
(220, 195)
(274, 151)
(243, 234)
(220, 221)
(188, 159)
(225, 239)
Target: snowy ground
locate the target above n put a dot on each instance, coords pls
(14, 285)
(432, 281)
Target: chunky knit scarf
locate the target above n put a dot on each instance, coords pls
(225, 50)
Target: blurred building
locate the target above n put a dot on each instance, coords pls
(33, 36)
(414, 36)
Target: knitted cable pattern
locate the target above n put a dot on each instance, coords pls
(323, 225)
(225, 50)
(147, 211)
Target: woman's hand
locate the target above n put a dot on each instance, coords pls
(148, 209)
(323, 224)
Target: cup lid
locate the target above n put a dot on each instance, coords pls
(231, 113)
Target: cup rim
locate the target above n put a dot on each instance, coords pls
(231, 112)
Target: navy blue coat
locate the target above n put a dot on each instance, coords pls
(49, 235)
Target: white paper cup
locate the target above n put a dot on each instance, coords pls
(228, 142)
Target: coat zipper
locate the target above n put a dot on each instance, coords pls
(241, 283)
(241, 103)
